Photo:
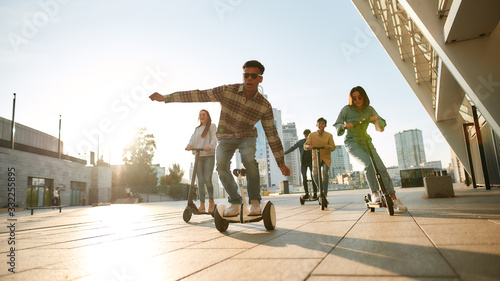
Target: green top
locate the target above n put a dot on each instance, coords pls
(349, 114)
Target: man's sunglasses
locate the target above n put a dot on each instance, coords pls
(253, 75)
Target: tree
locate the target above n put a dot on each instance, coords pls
(138, 157)
(163, 188)
(174, 175)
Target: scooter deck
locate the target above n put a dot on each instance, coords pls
(194, 210)
(375, 205)
(310, 198)
(237, 219)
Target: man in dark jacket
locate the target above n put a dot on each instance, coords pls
(306, 162)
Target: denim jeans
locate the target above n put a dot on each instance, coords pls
(304, 178)
(224, 154)
(204, 173)
(360, 153)
(324, 177)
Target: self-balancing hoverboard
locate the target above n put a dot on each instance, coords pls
(268, 213)
(191, 208)
(385, 198)
(322, 197)
(311, 198)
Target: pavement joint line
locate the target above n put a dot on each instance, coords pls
(427, 212)
(435, 247)
(271, 238)
(335, 246)
(246, 249)
(97, 236)
(493, 221)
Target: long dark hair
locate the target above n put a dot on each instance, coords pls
(207, 127)
(362, 92)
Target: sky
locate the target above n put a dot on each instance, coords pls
(94, 63)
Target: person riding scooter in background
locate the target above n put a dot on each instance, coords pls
(359, 109)
(204, 137)
(321, 138)
(306, 162)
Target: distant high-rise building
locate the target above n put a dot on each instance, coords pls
(160, 172)
(292, 159)
(340, 162)
(410, 148)
(436, 165)
(275, 173)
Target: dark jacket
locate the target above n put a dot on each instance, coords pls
(305, 156)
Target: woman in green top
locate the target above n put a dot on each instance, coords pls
(359, 109)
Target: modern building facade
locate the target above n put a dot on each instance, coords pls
(447, 51)
(159, 171)
(40, 166)
(410, 148)
(436, 165)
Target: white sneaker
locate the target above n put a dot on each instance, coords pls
(375, 196)
(399, 206)
(254, 208)
(232, 211)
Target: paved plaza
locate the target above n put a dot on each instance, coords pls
(437, 239)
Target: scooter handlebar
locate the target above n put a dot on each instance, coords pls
(360, 122)
(318, 147)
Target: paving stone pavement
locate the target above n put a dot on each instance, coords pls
(437, 239)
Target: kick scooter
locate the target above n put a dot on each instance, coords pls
(385, 198)
(191, 208)
(322, 197)
(268, 213)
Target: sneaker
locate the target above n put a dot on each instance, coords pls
(375, 196)
(315, 196)
(305, 197)
(254, 208)
(399, 206)
(232, 211)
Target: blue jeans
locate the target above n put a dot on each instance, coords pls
(204, 174)
(324, 177)
(360, 152)
(224, 154)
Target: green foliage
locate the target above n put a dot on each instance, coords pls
(138, 157)
(174, 175)
(163, 188)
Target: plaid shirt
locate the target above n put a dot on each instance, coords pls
(238, 115)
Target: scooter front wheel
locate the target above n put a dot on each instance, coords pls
(186, 216)
(323, 203)
(389, 205)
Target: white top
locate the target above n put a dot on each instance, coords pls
(210, 139)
